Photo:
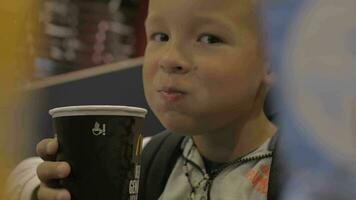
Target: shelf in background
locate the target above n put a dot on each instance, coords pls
(81, 74)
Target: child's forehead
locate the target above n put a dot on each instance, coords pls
(239, 12)
(227, 7)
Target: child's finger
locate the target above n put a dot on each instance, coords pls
(48, 171)
(47, 148)
(47, 193)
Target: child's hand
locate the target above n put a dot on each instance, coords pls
(50, 171)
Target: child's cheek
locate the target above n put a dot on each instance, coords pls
(150, 67)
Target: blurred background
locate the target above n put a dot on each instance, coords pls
(78, 34)
(15, 68)
(69, 52)
(312, 47)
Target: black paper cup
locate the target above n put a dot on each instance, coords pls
(102, 144)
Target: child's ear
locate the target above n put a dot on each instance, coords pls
(270, 76)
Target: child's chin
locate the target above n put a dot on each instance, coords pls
(179, 123)
(182, 130)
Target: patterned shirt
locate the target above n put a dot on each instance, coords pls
(243, 179)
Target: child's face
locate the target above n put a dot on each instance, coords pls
(203, 67)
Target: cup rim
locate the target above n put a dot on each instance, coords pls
(81, 110)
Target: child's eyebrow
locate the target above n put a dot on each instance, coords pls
(152, 20)
(212, 19)
(209, 19)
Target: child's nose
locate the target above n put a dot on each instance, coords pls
(174, 61)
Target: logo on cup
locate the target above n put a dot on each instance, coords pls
(97, 130)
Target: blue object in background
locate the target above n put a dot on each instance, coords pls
(311, 46)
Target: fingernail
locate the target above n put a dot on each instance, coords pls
(50, 147)
(62, 196)
(60, 170)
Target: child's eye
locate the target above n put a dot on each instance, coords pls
(209, 39)
(159, 37)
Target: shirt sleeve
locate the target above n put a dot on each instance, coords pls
(23, 180)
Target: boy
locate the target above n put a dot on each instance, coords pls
(205, 78)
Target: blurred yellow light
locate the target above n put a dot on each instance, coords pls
(15, 67)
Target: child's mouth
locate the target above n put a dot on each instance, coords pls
(171, 94)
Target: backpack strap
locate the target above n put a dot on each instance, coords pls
(158, 159)
(278, 176)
